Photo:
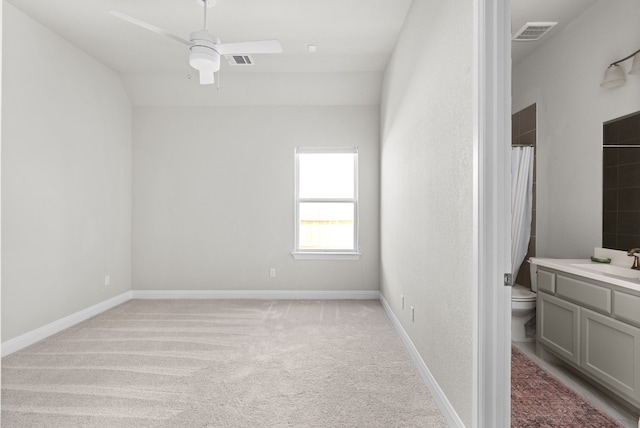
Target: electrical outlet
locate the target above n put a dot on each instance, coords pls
(272, 272)
(413, 314)
(107, 280)
(402, 301)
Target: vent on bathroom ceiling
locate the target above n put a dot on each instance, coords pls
(532, 31)
(239, 59)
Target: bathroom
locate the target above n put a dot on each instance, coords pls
(560, 108)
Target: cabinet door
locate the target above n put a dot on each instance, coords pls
(558, 326)
(611, 353)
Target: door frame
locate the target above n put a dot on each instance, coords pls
(492, 213)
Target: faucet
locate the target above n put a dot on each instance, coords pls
(632, 253)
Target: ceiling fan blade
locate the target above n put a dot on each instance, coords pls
(147, 26)
(206, 77)
(257, 47)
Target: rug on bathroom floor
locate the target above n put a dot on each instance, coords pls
(540, 400)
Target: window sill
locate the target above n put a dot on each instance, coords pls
(325, 255)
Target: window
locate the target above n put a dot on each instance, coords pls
(326, 203)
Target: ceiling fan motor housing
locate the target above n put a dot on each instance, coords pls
(204, 48)
(203, 55)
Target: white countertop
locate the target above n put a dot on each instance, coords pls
(569, 266)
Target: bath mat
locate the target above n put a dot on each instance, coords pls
(540, 400)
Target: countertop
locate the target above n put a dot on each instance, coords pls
(568, 266)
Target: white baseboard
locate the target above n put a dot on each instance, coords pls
(453, 420)
(29, 338)
(257, 294)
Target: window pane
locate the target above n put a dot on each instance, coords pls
(326, 175)
(326, 226)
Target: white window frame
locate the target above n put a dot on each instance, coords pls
(316, 254)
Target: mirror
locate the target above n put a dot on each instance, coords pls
(621, 183)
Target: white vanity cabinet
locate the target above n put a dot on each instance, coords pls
(594, 326)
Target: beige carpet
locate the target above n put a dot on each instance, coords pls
(220, 363)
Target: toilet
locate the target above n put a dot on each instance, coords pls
(523, 308)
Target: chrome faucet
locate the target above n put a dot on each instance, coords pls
(632, 253)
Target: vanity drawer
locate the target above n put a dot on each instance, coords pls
(585, 293)
(626, 306)
(546, 281)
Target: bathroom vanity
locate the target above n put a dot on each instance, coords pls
(588, 315)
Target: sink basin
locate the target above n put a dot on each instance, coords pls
(610, 270)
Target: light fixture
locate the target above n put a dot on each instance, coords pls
(635, 67)
(614, 76)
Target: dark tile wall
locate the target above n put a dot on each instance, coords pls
(621, 183)
(523, 133)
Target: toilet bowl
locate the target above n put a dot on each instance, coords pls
(523, 308)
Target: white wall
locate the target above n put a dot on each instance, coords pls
(255, 89)
(66, 178)
(213, 197)
(563, 77)
(1, 68)
(427, 191)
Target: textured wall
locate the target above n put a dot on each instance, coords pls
(427, 191)
(213, 197)
(563, 77)
(66, 178)
(256, 89)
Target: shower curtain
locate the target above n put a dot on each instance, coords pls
(521, 204)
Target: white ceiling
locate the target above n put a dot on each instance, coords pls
(353, 36)
(560, 11)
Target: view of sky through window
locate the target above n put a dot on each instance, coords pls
(326, 175)
(326, 201)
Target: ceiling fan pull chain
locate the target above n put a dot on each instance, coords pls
(205, 14)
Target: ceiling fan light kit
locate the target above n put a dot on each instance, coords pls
(203, 56)
(204, 48)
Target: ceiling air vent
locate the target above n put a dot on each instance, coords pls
(533, 31)
(239, 59)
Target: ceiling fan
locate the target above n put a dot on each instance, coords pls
(204, 48)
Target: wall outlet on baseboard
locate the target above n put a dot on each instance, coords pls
(107, 280)
(272, 272)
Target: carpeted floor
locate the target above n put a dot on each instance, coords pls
(220, 363)
(540, 400)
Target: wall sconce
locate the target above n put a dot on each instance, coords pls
(614, 76)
